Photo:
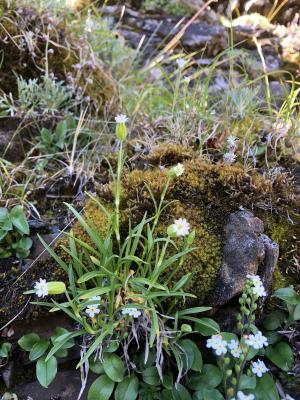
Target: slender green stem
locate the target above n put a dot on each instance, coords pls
(118, 193)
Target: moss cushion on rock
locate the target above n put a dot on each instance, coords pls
(205, 195)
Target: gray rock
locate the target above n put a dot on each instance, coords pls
(201, 33)
(66, 386)
(246, 251)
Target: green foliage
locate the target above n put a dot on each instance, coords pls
(14, 231)
(47, 96)
(39, 349)
(5, 350)
(53, 142)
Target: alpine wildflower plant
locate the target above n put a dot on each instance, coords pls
(234, 353)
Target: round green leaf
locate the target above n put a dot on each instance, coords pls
(179, 392)
(281, 355)
(208, 394)
(38, 349)
(274, 320)
(150, 376)
(19, 220)
(266, 389)
(207, 327)
(210, 377)
(192, 358)
(113, 367)
(96, 366)
(26, 342)
(128, 389)
(101, 388)
(247, 382)
(46, 370)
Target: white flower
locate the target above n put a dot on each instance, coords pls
(233, 344)
(255, 279)
(93, 309)
(121, 119)
(212, 342)
(221, 347)
(236, 353)
(41, 288)
(229, 157)
(257, 341)
(181, 227)
(232, 141)
(259, 291)
(181, 62)
(242, 396)
(258, 368)
(258, 287)
(133, 312)
(178, 169)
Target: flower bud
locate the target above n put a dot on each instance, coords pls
(121, 131)
(239, 325)
(56, 287)
(229, 373)
(171, 231)
(248, 301)
(191, 237)
(226, 360)
(186, 328)
(233, 381)
(239, 317)
(237, 368)
(230, 392)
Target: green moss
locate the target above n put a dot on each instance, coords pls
(204, 195)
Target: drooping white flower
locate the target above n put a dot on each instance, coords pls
(181, 227)
(212, 342)
(229, 157)
(242, 396)
(257, 341)
(236, 353)
(41, 288)
(178, 169)
(181, 62)
(133, 312)
(121, 119)
(258, 368)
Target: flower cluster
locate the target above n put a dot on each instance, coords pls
(133, 312)
(93, 309)
(257, 341)
(258, 368)
(258, 288)
(234, 348)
